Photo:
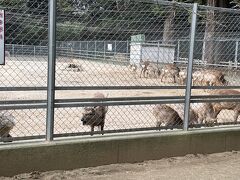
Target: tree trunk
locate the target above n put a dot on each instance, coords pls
(208, 44)
(168, 31)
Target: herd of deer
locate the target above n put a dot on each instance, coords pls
(165, 114)
(170, 73)
(171, 114)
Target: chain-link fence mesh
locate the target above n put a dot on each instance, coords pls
(216, 46)
(216, 62)
(109, 44)
(26, 25)
(118, 119)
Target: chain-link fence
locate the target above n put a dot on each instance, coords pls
(25, 25)
(119, 65)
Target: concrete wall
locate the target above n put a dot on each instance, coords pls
(101, 150)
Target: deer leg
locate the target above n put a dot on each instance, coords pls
(92, 129)
(102, 127)
(236, 113)
(159, 125)
(141, 73)
(216, 113)
(161, 77)
(144, 73)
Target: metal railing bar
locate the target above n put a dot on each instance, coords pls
(118, 103)
(112, 102)
(113, 88)
(22, 138)
(117, 131)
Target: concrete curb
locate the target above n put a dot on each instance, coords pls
(102, 150)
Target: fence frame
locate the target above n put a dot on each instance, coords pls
(190, 68)
(51, 69)
(51, 103)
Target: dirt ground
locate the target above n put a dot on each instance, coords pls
(193, 167)
(31, 72)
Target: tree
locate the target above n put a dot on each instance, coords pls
(210, 24)
(168, 31)
(37, 6)
(209, 45)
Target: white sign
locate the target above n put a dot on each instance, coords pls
(2, 37)
(109, 47)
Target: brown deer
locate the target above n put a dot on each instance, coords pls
(144, 65)
(170, 73)
(95, 116)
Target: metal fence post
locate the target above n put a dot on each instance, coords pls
(22, 50)
(87, 49)
(115, 50)
(95, 48)
(236, 55)
(127, 49)
(104, 50)
(13, 50)
(158, 53)
(80, 48)
(190, 67)
(178, 51)
(51, 69)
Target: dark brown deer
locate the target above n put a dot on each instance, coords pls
(95, 116)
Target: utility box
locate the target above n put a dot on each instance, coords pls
(153, 52)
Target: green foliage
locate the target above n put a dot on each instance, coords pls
(64, 5)
(75, 30)
(125, 17)
(158, 10)
(12, 3)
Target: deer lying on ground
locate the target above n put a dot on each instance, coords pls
(209, 78)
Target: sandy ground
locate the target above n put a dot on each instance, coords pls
(193, 167)
(31, 72)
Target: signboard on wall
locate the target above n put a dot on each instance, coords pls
(138, 38)
(109, 47)
(2, 37)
